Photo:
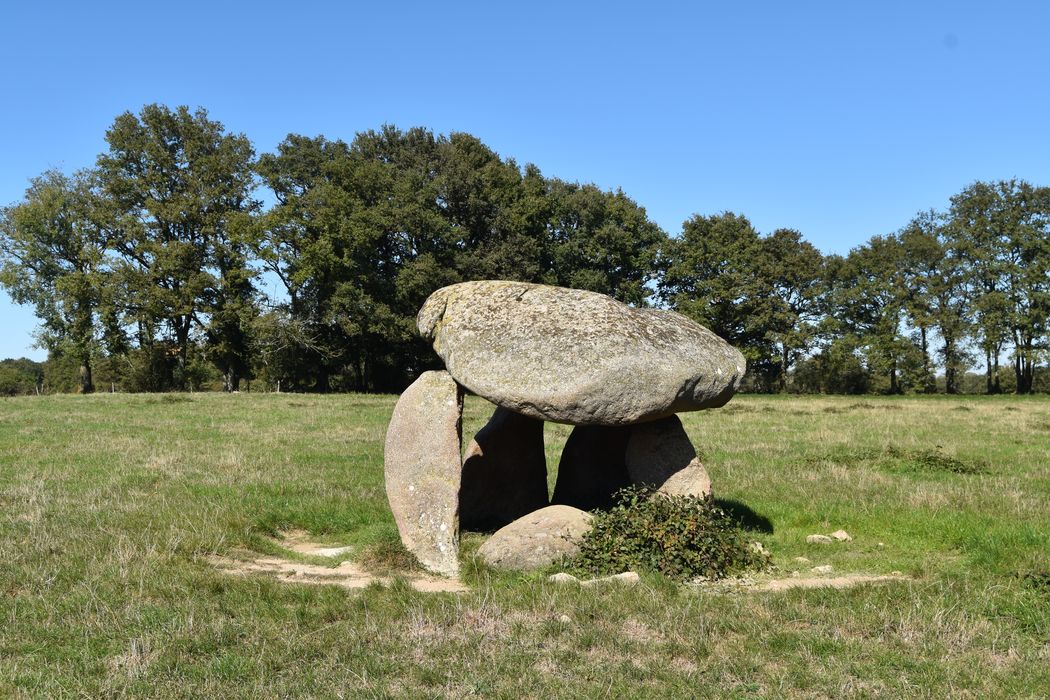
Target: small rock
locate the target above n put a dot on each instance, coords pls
(802, 560)
(896, 573)
(795, 574)
(823, 569)
(757, 548)
(628, 578)
(819, 539)
(562, 577)
(841, 536)
(882, 544)
(565, 620)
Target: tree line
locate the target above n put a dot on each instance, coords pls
(149, 271)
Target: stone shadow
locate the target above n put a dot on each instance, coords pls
(746, 518)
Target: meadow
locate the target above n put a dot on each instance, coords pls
(113, 507)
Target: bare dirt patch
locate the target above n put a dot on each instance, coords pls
(804, 582)
(346, 574)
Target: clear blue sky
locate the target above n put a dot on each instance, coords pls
(839, 119)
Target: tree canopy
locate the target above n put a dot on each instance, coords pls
(161, 268)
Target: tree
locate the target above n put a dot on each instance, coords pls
(602, 242)
(868, 303)
(53, 256)
(1002, 232)
(934, 280)
(176, 183)
(794, 272)
(709, 276)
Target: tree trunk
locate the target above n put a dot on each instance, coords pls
(997, 386)
(87, 386)
(230, 381)
(951, 368)
(894, 389)
(782, 383)
(929, 383)
(988, 371)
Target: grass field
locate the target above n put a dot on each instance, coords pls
(111, 507)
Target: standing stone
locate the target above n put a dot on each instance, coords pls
(504, 472)
(537, 540)
(422, 468)
(660, 455)
(592, 466)
(577, 357)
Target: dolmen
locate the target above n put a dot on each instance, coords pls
(539, 353)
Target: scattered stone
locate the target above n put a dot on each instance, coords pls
(536, 540)
(565, 619)
(802, 560)
(577, 357)
(627, 578)
(562, 577)
(841, 536)
(504, 472)
(592, 467)
(757, 548)
(823, 569)
(660, 455)
(795, 574)
(422, 468)
(819, 539)
(882, 544)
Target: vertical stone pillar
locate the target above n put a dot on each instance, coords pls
(422, 470)
(504, 472)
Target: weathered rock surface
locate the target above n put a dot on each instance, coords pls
(577, 357)
(422, 470)
(659, 454)
(536, 540)
(592, 466)
(504, 472)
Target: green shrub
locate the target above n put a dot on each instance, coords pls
(681, 537)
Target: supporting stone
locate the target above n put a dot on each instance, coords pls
(422, 469)
(504, 472)
(660, 455)
(592, 467)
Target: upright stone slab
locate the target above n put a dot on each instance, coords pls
(422, 469)
(504, 472)
(592, 467)
(659, 454)
(577, 357)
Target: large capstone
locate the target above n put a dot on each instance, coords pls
(422, 470)
(577, 357)
(504, 472)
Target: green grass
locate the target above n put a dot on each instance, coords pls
(111, 505)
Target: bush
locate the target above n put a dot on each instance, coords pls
(681, 537)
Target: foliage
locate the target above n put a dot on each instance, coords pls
(149, 266)
(681, 537)
(20, 377)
